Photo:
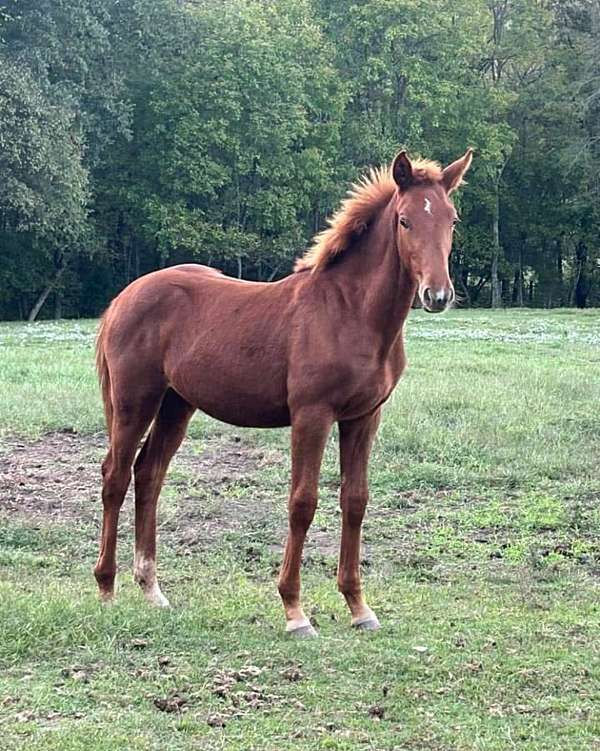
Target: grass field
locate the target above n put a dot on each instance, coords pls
(481, 558)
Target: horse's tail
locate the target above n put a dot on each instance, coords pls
(103, 373)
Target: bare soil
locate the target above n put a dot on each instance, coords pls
(219, 489)
(57, 479)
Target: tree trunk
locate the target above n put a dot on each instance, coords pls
(39, 303)
(517, 292)
(58, 305)
(582, 284)
(495, 281)
(477, 289)
(559, 271)
(521, 275)
(464, 290)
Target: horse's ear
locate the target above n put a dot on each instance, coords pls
(402, 171)
(453, 174)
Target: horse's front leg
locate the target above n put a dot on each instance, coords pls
(356, 439)
(310, 428)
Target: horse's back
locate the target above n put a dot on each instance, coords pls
(165, 296)
(220, 342)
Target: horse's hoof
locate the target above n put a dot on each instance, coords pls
(155, 597)
(372, 624)
(158, 601)
(301, 629)
(367, 623)
(304, 632)
(161, 604)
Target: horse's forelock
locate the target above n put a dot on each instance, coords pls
(364, 201)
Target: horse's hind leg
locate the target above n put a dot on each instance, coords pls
(129, 423)
(150, 468)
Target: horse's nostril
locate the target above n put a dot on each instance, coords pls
(427, 296)
(444, 296)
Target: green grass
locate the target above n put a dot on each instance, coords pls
(482, 559)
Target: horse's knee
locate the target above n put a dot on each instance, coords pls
(302, 510)
(148, 479)
(115, 486)
(106, 465)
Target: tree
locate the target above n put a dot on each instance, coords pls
(60, 110)
(145, 133)
(235, 149)
(44, 191)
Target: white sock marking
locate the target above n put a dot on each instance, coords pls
(144, 571)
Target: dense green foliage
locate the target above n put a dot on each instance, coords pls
(141, 134)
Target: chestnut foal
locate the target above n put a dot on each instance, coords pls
(324, 344)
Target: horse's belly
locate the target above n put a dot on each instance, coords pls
(254, 398)
(245, 415)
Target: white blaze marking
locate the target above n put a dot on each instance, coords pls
(427, 206)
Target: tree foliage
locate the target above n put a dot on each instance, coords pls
(140, 134)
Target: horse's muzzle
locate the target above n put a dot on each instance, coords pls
(437, 300)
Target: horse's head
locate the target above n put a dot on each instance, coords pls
(426, 221)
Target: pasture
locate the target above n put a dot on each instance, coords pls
(481, 558)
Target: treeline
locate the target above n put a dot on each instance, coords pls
(139, 134)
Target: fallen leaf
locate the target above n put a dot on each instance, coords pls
(377, 712)
(216, 721)
(138, 643)
(170, 704)
(291, 674)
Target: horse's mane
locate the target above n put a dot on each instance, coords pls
(365, 199)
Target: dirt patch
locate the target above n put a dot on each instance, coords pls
(212, 487)
(221, 489)
(55, 477)
(218, 490)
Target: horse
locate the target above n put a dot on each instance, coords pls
(322, 345)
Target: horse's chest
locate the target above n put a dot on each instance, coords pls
(371, 388)
(350, 376)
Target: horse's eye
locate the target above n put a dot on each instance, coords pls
(404, 222)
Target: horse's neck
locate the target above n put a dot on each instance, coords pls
(381, 286)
